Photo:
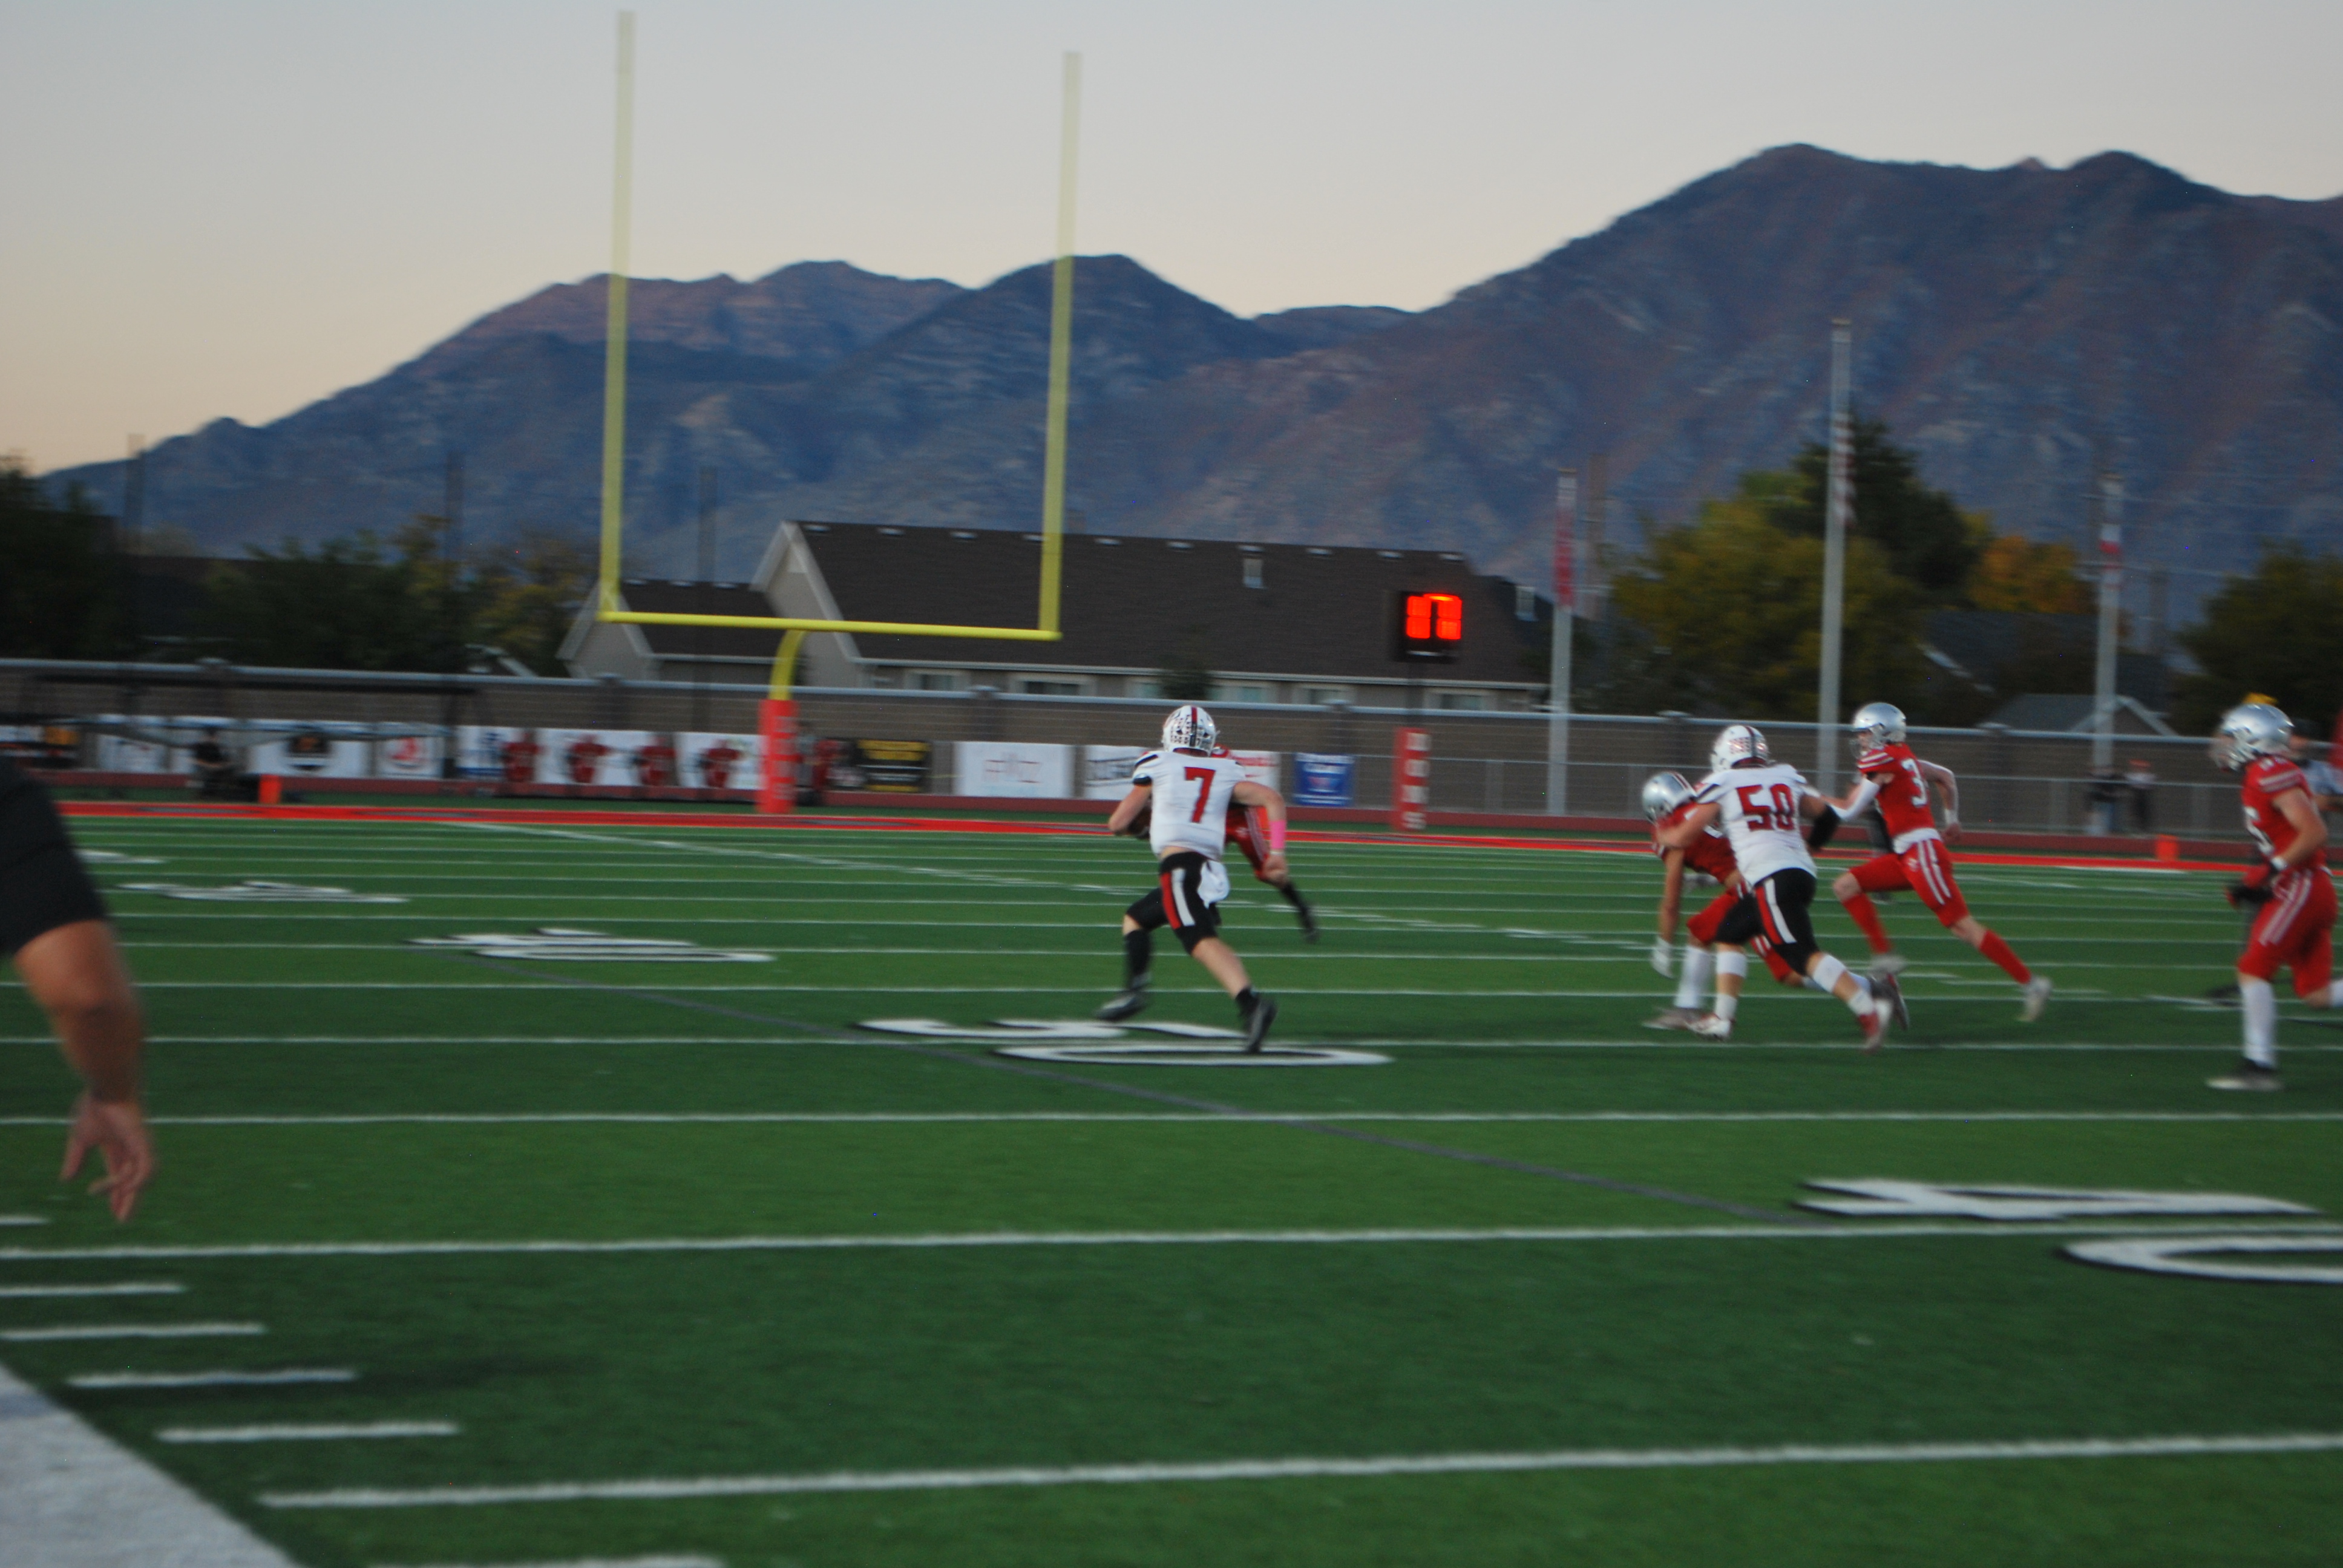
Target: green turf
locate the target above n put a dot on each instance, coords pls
(1503, 985)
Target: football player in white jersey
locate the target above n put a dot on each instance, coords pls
(1186, 789)
(1763, 807)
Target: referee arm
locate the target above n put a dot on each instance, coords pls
(76, 973)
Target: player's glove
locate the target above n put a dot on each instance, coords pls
(1664, 956)
(2248, 894)
(1824, 825)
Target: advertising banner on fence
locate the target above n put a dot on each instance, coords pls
(890, 767)
(712, 761)
(313, 750)
(497, 751)
(408, 756)
(1261, 767)
(1106, 770)
(1322, 779)
(157, 745)
(1019, 767)
(589, 756)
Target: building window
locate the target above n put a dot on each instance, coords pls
(935, 680)
(1253, 571)
(1524, 602)
(1324, 696)
(1032, 688)
(1461, 701)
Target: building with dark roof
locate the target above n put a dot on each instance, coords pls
(1270, 623)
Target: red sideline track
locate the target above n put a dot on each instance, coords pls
(668, 819)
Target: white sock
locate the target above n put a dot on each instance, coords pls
(1691, 980)
(1734, 963)
(2335, 994)
(1726, 1006)
(2261, 1022)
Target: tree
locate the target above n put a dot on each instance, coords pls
(2279, 632)
(1927, 541)
(348, 606)
(1727, 618)
(62, 584)
(2013, 573)
(530, 595)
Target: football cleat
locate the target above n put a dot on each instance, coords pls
(1674, 1017)
(1257, 1021)
(2037, 996)
(2249, 730)
(1708, 1026)
(1886, 964)
(1875, 1029)
(1874, 725)
(1886, 993)
(1129, 1002)
(1662, 793)
(1736, 744)
(1190, 728)
(2251, 1076)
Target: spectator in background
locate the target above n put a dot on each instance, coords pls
(2141, 779)
(2105, 794)
(215, 766)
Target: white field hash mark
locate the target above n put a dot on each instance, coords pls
(309, 1432)
(661, 1489)
(281, 1375)
(128, 1331)
(125, 1288)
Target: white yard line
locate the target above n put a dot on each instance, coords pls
(677, 1489)
(268, 1379)
(490, 982)
(986, 1239)
(309, 1432)
(125, 1288)
(661, 1561)
(756, 1118)
(128, 1331)
(74, 1499)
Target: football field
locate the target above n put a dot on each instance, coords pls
(537, 1193)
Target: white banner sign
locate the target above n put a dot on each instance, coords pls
(495, 751)
(1017, 768)
(712, 761)
(1261, 767)
(1106, 770)
(408, 756)
(589, 756)
(313, 752)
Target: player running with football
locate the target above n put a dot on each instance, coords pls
(1186, 789)
(1900, 783)
(1763, 806)
(2291, 889)
(1666, 797)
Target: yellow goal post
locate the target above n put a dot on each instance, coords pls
(607, 604)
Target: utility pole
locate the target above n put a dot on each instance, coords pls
(707, 597)
(129, 545)
(2103, 728)
(1838, 513)
(1566, 606)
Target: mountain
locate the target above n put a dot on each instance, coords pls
(2024, 328)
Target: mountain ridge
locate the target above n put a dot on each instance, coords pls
(2021, 327)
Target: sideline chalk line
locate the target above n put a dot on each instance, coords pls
(978, 1239)
(653, 1491)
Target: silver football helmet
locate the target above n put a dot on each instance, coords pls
(1662, 793)
(1736, 744)
(1874, 725)
(1190, 728)
(2249, 730)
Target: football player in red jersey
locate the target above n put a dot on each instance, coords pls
(1666, 796)
(2290, 887)
(1900, 783)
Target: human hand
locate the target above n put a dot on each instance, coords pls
(1274, 870)
(117, 1129)
(1663, 957)
(1952, 829)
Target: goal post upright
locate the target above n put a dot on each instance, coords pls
(777, 716)
(614, 349)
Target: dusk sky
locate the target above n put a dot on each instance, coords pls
(236, 208)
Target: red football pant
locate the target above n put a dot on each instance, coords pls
(2296, 929)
